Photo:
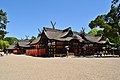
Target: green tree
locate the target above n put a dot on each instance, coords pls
(94, 31)
(33, 38)
(3, 44)
(109, 22)
(11, 40)
(3, 32)
(3, 23)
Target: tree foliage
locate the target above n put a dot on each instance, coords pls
(3, 44)
(95, 31)
(11, 40)
(3, 23)
(33, 38)
(109, 22)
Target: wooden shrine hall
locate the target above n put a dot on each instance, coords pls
(56, 42)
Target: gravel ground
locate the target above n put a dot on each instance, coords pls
(21, 67)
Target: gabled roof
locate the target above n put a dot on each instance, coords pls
(65, 39)
(61, 35)
(56, 33)
(77, 36)
(12, 46)
(36, 40)
(92, 38)
(23, 43)
(106, 42)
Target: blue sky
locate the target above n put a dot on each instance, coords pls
(26, 16)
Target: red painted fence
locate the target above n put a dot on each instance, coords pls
(35, 52)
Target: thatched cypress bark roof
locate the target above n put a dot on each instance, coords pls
(24, 43)
(36, 40)
(12, 46)
(61, 35)
(92, 38)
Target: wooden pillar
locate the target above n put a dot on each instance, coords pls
(55, 48)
